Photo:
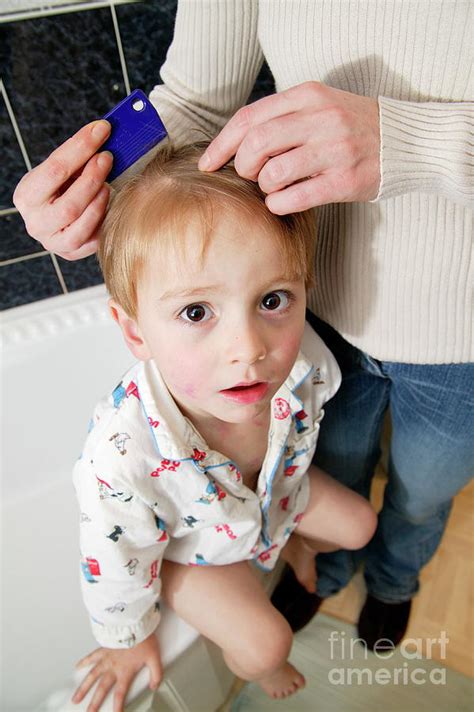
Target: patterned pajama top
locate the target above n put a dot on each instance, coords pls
(150, 488)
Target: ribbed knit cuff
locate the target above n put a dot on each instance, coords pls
(426, 147)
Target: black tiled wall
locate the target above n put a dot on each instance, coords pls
(60, 71)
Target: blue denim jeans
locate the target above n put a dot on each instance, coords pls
(431, 459)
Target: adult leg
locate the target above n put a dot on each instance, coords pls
(431, 459)
(228, 605)
(348, 448)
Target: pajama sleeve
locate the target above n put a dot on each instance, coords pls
(122, 541)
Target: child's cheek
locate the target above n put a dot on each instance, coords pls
(290, 347)
(188, 377)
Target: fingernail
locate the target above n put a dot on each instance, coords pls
(101, 130)
(103, 160)
(204, 162)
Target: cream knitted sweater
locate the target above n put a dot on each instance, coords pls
(394, 276)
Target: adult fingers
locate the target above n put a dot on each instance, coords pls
(78, 239)
(73, 238)
(292, 166)
(67, 208)
(307, 194)
(227, 142)
(264, 151)
(43, 182)
(57, 215)
(272, 138)
(86, 250)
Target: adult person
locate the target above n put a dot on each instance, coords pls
(372, 122)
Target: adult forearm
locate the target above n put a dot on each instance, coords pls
(210, 68)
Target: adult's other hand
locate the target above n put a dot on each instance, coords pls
(306, 146)
(63, 200)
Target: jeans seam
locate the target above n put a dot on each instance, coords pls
(377, 423)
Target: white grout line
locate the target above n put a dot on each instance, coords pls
(16, 128)
(120, 48)
(59, 10)
(14, 260)
(59, 273)
(7, 211)
(33, 256)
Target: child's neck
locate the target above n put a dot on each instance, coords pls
(243, 443)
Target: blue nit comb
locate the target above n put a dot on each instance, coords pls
(136, 129)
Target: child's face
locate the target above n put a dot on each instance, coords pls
(224, 334)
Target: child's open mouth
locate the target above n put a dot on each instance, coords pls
(246, 393)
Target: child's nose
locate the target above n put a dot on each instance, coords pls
(248, 346)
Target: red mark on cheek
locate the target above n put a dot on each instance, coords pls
(189, 389)
(188, 376)
(181, 381)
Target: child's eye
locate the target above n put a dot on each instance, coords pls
(196, 313)
(274, 301)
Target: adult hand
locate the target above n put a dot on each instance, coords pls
(63, 200)
(306, 146)
(117, 668)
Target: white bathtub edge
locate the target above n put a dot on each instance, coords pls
(29, 323)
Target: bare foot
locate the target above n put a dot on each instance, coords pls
(301, 556)
(283, 682)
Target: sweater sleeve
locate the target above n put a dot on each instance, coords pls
(210, 68)
(122, 542)
(427, 148)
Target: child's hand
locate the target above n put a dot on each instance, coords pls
(118, 667)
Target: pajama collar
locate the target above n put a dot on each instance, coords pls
(175, 436)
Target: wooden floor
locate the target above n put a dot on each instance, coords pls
(445, 600)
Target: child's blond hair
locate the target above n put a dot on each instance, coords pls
(156, 207)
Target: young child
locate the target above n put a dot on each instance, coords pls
(200, 460)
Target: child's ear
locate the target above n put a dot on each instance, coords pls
(131, 331)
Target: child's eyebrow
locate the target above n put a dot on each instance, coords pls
(212, 288)
(191, 292)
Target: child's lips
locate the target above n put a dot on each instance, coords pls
(246, 392)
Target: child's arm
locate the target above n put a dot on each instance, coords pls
(123, 539)
(116, 669)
